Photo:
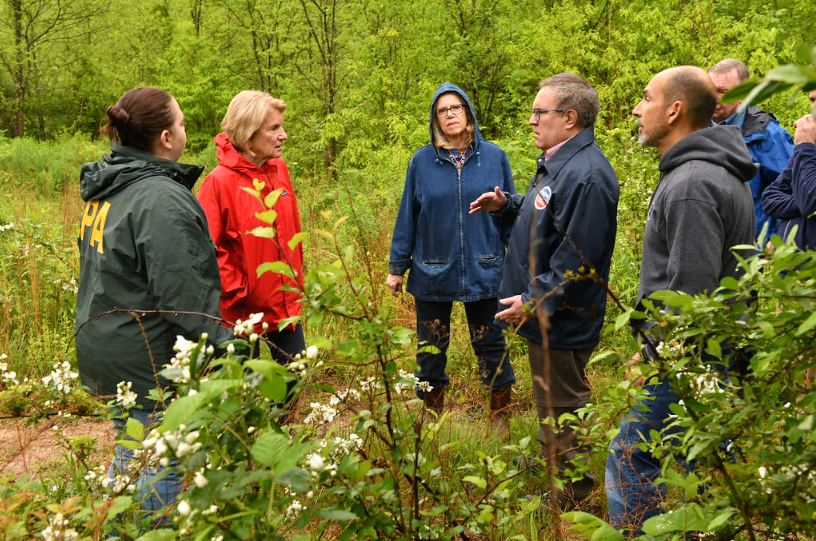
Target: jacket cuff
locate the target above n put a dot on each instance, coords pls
(398, 268)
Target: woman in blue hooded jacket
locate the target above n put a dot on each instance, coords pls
(453, 255)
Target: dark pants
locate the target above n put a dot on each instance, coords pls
(284, 346)
(433, 329)
(567, 389)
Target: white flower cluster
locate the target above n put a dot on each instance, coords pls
(69, 286)
(61, 378)
(673, 348)
(121, 482)
(318, 464)
(405, 381)
(298, 366)
(181, 361)
(124, 396)
(370, 384)
(7, 376)
(321, 414)
(341, 446)
(246, 328)
(704, 383)
(325, 413)
(6, 227)
(57, 529)
(178, 444)
(294, 509)
(425, 386)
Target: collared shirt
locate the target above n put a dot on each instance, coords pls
(737, 119)
(550, 153)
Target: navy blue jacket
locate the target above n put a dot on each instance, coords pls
(567, 220)
(792, 197)
(452, 255)
(771, 147)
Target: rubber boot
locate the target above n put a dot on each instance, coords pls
(435, 400)
(499, 411)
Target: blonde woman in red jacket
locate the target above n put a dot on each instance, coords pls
(250, 148)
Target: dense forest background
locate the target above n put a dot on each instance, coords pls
(358, 74)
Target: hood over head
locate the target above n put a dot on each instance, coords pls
(450, 87)
(126, 165)
(720, 145)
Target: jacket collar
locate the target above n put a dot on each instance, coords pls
(565, 153)
(183, 173)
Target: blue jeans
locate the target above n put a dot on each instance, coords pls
(631, 492)
(433, 328)
(156, 496)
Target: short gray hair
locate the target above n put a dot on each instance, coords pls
(573, 92)
(731, 64)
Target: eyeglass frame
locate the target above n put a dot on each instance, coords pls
(538, 112)
(443, 112)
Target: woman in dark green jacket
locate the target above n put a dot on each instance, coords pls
(147, 265)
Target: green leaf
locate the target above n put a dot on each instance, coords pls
(687, 518)
(158, 535)
(277, 452)
(181, 409)
(279, 267)
(120, 505)
(268, 216)
(720, 520)
(478, 481)
(592, 527)
(272, 198)
(297, 238)
(134, 429)
(265, 232)
(807, 325)
(336, 514)
(297, 479)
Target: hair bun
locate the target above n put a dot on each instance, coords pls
(118, 116)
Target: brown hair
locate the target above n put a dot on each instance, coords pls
(139, 117)
(440, 141)
(246, 114)
(573, 92)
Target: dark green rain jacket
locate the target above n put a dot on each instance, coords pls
(144, 245)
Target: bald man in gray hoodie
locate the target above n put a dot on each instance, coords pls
(701, 207)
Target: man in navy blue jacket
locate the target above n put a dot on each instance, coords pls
(792, 197)
(769, 143)
(558, 259)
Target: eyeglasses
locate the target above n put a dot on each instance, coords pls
(454, 109)
(538, 112)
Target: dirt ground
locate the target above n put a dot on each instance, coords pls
(37, 449)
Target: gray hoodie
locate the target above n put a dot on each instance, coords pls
(701, 207)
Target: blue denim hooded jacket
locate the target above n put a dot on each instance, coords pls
(451, 255)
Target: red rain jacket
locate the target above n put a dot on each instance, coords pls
(231, 216)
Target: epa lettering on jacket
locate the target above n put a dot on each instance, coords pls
(94, 218)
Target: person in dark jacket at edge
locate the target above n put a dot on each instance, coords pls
(701, 207)
(769, 143)
(792, 197)
(144, 246)
(451, 255)
(563, 228)
(250, 148)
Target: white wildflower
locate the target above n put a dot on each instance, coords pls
(245, 328)
(184, 508)
(199, 479)
(316, 462)
(311, 352)
(124, 396)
